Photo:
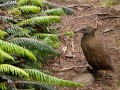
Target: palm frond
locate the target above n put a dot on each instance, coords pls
(43, 20)
(6, 68)
(39, 76)
(12, 48)
(33, 44)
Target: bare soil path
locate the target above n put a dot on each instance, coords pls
(108, 31)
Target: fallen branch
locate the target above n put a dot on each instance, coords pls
(64, 69)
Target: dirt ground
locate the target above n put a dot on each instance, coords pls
(108, 32)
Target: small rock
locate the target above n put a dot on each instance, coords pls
(86, 79)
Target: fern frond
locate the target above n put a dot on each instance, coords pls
(12, 48)
(5, 55)
(44, 35)
(6, 68)
(2, 86)
(30, 65)
(7, 5)
(34, 45)
(58, 12)
(31, 2)
(51, 30)
(22, 2)
(67, 10)
(52, 42)
(43, 20)
(29, 9)
(39, 76)
(5, 1)
(6, 18)
(2, 34)
(50, 5)
(36, 85)
(17, 31)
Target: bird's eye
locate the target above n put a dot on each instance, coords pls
(84, 29)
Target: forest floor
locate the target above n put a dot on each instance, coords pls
(108, 32)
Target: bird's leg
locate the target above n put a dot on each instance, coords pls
(91, 70)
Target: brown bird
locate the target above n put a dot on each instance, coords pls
(93, 50)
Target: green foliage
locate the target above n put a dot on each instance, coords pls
(9, 69)
(44, 35)
(5, 4)
(17, 31)
(109, 2)
(2, 34)
(39, 76)
(5, 55)
(34, 44)
(12, 48)
(2, 86)
(27, 9)
(57, 12)
(69, 33)
(31, 2)
(68, 11)
(6, 18)
(43, 20)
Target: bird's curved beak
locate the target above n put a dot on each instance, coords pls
(79, 30)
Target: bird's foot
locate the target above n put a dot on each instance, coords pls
(91, 70)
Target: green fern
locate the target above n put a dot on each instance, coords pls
(2, 86)
(43, 20)
(5, 55)
(6, 68)
(7, 4)
(51, 42)
(39, 76)
(17, 31)
(57, 12)
(6, 18)
(33, 44)
(31, 2)
(12, 48)
(67, 10)
(28, 9)
(44, 35)
(2, 34)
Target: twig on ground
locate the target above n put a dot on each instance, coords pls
(64, 69)
(73, 48)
